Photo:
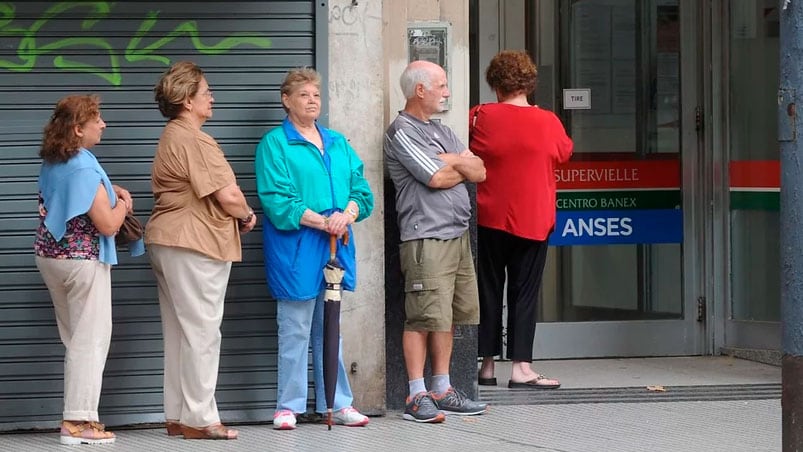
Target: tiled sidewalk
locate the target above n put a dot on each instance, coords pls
(727, 426)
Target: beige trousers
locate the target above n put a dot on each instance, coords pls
(192, 288)
(81, 291)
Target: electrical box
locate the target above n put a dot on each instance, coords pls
(429, 41)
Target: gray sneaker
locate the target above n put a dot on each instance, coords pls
(421, 409)
(455, 402)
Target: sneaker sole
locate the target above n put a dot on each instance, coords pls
(284, 426)
(74, 441)
(464, 413)
(353, 424)
(435, 420)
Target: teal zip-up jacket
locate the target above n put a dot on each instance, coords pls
(293, 176)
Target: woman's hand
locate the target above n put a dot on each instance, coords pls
(337, 224)
(247, 226)
(124, 196)
(106, 218)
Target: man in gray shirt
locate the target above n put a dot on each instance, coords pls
(428, 165)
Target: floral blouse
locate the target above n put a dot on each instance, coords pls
(81, 241)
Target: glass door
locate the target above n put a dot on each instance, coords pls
(753, 168)
(624, 276)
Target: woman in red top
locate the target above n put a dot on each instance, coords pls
(520, 144)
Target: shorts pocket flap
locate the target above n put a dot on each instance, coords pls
(418, 285)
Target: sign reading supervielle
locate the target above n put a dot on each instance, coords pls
(618, 202)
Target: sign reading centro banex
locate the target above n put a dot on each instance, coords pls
(618, 202)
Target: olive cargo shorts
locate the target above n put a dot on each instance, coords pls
(440, 284)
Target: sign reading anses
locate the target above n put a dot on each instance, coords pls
(618, 202)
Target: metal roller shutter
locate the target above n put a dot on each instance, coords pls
(118, 50)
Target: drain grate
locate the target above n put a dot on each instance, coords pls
(504, 396)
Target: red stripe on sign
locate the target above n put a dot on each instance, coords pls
(755, 173)
(618, 174)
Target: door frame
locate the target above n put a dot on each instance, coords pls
(689, 335)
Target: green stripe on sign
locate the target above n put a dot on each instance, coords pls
(619, 200)
(756, 200)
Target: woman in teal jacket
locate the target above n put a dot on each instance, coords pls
(311, 184)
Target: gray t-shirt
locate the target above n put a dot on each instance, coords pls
(411, 154)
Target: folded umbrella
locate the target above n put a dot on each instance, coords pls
(333, 275)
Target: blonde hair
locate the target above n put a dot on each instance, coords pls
(176, 85)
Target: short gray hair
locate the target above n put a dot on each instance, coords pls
(412, 76)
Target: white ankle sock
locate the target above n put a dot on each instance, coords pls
(440, 383)
(417, 386)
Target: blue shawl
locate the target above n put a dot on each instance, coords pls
(68, 190)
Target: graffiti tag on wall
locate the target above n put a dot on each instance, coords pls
(32, 49)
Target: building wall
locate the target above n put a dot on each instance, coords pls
(395, 46)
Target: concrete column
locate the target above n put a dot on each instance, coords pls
(789, 131)
(355, 86)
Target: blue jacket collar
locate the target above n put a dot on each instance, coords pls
(294, 136)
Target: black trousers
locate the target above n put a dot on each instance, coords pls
(523, 260)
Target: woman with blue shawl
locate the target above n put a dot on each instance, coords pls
(80, 212)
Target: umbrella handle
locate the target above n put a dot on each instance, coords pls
(333, 244)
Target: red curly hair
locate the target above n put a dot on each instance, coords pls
(59, 141)
(511, 71)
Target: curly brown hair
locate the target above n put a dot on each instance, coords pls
(176, 85)
(297, 78)
(511, 71)
(59, 141)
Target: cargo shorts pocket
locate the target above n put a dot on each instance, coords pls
(422, 304)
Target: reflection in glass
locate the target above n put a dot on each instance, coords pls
(754, 213)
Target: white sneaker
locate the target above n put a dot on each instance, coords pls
(284, 420)
(349, 417)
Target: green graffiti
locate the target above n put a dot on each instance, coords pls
(190, 28)
(29, 50)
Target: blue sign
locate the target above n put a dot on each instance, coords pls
(616, 227)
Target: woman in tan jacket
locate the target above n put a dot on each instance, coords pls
(193, 236)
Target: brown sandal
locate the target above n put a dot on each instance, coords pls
(214, 431)
(173, 428)
(85, 432)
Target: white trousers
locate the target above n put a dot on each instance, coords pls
(81, 291)
(192, 288)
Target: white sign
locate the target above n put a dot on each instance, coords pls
(577, 99)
